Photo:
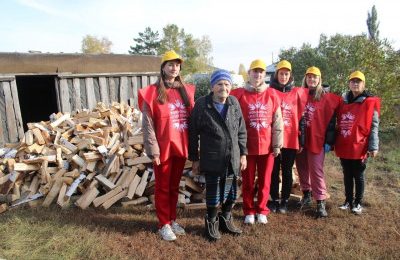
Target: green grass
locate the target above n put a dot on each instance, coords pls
(117, 233)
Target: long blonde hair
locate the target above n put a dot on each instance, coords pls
(319, 90)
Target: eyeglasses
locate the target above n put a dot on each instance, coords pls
(355, 81)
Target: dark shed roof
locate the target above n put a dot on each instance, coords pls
(14, 63)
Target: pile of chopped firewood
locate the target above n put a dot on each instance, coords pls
(85, 158)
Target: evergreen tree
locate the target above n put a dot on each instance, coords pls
(147, 43)
(373, 24)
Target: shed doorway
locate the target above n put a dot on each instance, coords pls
(37, 97)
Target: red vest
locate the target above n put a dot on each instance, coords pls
(354, 127)
(292, 105)
(171, 120)
(258, 110)
(317, 115)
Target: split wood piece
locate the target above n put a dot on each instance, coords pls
(114, 148)
(64, 142)
(201, 205)
(92, 156)
(29, 137)
(33, 188)
(3, 208)
(87, 198)
(35, 148)
(139, 160)
(55, 189)
(128, 178)
(181, 200)
(91, 166)
(16, 191)
(63, 200)
(110, 165)
(186, 193)
(78, 160)
(85, 144)
(113, 139)
(134, 202)
(138, 139)
(142, 185)
(38, 134)
(107, 184)
(97, 140)
(59, 159)
(23, 167)
(72, 174)
(40, 159)
(60, 120)
(102, 150)
(60, 173)
(74, 184)
(114, 199)
(44, 175)
(133, 186)
(100, 200)
(48, 151)
(192, 184)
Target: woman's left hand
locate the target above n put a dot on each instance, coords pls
(243, 162)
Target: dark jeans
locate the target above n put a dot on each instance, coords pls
(353, 171)
(285, 162)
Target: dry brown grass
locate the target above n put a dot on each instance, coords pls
(118, 233)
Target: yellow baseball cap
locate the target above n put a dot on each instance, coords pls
(313, 70)
(171, 55)
(258, 64)
(284, 64)
(357, 75)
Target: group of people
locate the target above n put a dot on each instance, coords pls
(257, 131)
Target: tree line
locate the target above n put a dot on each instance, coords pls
(337, 56)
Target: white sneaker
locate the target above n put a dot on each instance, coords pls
(166, 233)
(177, 229)
(357, 209)
(345, 206)
(262, 219)
(249, 219)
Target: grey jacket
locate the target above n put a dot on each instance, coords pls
(222, 142)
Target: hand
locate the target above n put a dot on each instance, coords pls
(156, 160)
(327, 148)
(300, 150)
(276, 152)
(196, 167)
(372, 154)
(243, 162)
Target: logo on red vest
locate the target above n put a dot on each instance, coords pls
(309, 113)
(258, 115)
(346, 123)
(286, 113)
(178, 113)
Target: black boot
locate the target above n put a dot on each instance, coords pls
(226, 225)
(212, 229)
(321, 211)
(306, 201)
(283, 207)
(273, 205)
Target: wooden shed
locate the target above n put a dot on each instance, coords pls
(35, 85)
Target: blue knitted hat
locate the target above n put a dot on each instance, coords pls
(220, 75)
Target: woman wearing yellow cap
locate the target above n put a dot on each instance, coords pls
(319, 116)
(356, 138)
(166, 106)
(262, 113)
(293, 100)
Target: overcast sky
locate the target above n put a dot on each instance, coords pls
(240, 31)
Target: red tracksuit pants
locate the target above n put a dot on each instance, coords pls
(264, 165)
(167, 176)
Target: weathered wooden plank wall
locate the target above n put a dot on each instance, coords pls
(89, 89)
(10, 113)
